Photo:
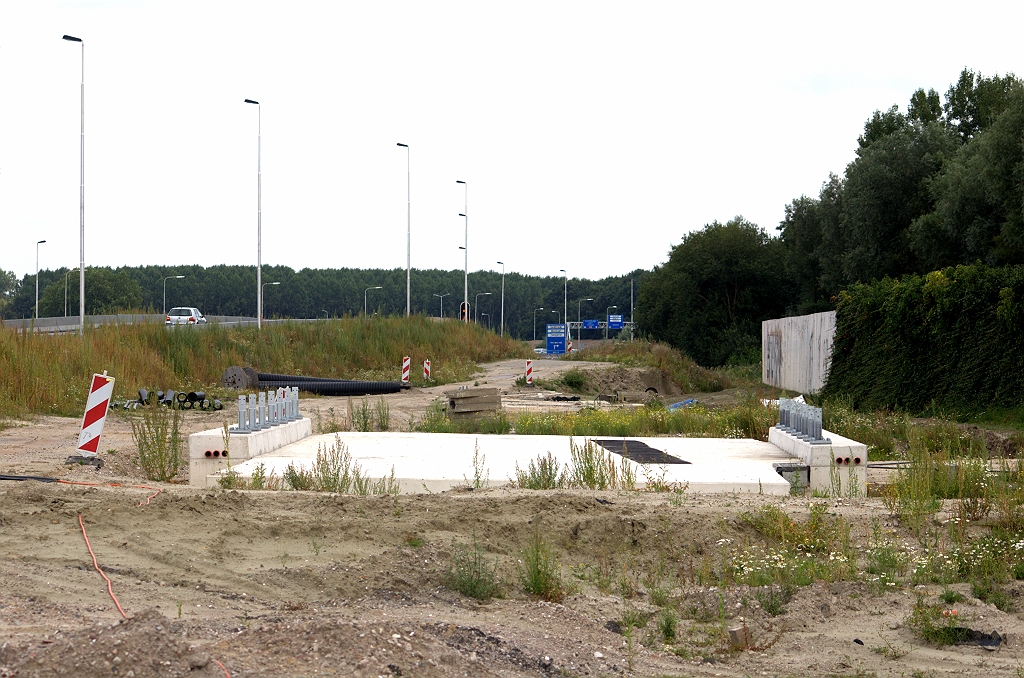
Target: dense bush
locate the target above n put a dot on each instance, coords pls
(952, 340)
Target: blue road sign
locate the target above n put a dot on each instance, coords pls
(591, 324)
(556, 339)
(615, 322)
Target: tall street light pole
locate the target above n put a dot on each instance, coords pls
(378, 287)
(170, 277)
(502, 297)
(66, 292)
(565, 301)
(264, 285)
(37, 277)
(579, 318)
(535, 321)
(408, 232)
(607, 319)
(476, 303)
(465, 214)
(259, 212)
(442, 296)
(81, 202)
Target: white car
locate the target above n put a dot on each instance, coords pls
(541, 351)
(185, 315)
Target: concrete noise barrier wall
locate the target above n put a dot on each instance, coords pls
(796, 352)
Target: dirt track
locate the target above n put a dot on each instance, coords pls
(299, 584)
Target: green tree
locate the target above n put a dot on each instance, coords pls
(9, 285)
(974, 102)
(710, 297)
(979, 198)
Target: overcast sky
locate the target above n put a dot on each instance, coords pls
(592, 136)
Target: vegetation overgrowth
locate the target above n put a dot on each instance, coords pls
(49, 374)
(751, 418)
(690, 376)
(949, 342)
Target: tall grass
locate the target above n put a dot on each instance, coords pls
(690, 376)
(747, 419)
(44, 374)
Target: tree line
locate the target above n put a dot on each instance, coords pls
(939, 185)
(312, 293)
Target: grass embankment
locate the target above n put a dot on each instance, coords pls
(44, 374)
(690, 376)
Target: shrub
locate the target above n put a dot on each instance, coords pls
(542, 474)
(667, 625)
(539, 571)
(470, 574)
(576, 380)
(158, 438)
(937, 624)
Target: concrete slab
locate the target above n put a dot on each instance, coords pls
(440, 461)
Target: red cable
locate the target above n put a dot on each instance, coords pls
(110, 587)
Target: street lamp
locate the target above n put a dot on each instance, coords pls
(81, 202)
(607, 319)
(476, 302)
(559, 315)
(465, 212)
(37, 277)
(66, 292)
(170, 277)
(579, 318)
(502, 297)
(264, 285)
(488, 320)
(327, 313)
(565, 301)
(535, 321)
(442, 296)
(408, 232)
(259, 212)
(378, 287)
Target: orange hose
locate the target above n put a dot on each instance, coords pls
(110, 587)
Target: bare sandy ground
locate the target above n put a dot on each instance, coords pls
(303, 584)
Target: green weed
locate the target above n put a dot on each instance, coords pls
(157, 436)
(471, 574)
(936, 624)
(539, 571)
(541, 474)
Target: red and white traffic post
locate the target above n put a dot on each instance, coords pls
(406, 369)
(96, 406)
(426, 370)
(529, 373)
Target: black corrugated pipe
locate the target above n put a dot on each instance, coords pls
(335, 387)
(266, 376)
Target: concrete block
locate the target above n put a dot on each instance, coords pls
(822, 461)
(851, 481)
(241, 446)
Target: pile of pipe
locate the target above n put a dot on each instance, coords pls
(267, 409)
(179, 399)
(328, 387)
(801, 420)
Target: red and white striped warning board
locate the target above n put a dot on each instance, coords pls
(529, 373)
(95, 414)
(406, 367)
(426, 370)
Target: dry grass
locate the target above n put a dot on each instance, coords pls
(43, 374)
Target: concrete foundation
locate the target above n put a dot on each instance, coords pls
(207, 453)
(435, 462)
(836, 468)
